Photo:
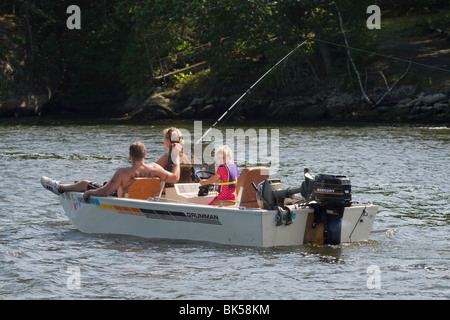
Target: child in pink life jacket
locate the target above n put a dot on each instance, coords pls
(226, 175)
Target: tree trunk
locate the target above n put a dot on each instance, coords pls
(325, 52)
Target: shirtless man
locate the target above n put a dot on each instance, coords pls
(122, 177)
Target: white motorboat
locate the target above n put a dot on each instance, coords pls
(267, 217)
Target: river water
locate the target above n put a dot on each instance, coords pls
(404, 169)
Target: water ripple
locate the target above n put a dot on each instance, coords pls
(403, 169)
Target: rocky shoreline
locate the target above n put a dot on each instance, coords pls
(30, 104)
(335, 106)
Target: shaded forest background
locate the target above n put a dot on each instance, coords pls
(129, 49)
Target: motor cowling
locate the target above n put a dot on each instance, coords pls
(332, 190)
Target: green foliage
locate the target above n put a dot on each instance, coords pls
(239, 39)
(417, 7)
(122, 44)
(81, 65)
(4, 88)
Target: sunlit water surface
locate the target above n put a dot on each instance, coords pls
(403, 169)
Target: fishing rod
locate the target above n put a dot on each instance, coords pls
(249, 90)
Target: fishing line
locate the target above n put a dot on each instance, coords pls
(380, 54)
(249, 90)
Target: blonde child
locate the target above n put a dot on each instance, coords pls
(226, 175)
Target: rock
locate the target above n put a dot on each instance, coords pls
(282, 109)
(281, 112)
(313, 112)
(290, 102)
(383, 109)
(212, 100)
(8, 106)
(368, 115)
(155, 107)
(401, 108)
(424, 110)
(310, 100)
(158, 100)
(28, 105)
(418, 103)
(207, 110)
(405, 101)
(433, 98)
(440, 107)
(130, 105)
(187, 113)
(197, 101)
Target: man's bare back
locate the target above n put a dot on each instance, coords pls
(122, 177)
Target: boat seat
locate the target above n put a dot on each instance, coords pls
(244, 189)
(248, 193)
(143, 188)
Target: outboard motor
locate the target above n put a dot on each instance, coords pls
(330, 195)
(327, 194)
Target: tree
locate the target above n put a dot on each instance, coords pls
(123, 44)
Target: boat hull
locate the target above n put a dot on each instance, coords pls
(186, 221)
